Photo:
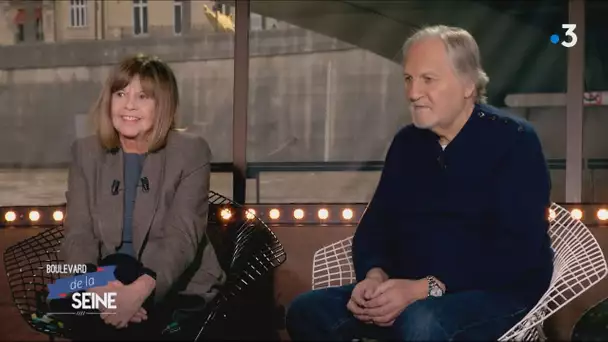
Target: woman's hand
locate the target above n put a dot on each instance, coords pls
(109, 287)
(140, 316)
(129, 301)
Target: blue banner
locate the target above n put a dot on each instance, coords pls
(64, 286)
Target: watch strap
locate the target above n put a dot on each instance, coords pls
(433, 285)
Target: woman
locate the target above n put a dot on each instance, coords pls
(138, 198)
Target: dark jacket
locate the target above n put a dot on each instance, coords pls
(474, 215)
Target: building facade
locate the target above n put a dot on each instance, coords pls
(26, 21)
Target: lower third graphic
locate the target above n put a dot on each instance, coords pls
(85, 302)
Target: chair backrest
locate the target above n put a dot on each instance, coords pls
(579, 261)
(249, 251)
(332, 265)
(25, 266)
(254, 248)
(579, 264)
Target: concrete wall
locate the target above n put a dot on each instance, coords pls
(312, 98)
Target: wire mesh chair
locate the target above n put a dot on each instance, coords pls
(255, 253)
(247, 250)
(25, 266)
(579, 264)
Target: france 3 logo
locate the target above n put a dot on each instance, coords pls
(569, 39)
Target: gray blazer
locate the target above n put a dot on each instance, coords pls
(174, 212)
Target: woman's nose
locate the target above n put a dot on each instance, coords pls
(130, 102)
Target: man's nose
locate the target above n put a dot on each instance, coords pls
(414, 91)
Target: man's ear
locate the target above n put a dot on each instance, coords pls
(469, 89)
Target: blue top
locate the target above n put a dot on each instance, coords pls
(474, 215)
(133, 164)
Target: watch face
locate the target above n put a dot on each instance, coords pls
(436, 292)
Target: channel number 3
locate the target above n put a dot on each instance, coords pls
(569, 33)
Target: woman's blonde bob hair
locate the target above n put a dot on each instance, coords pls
(157, 81)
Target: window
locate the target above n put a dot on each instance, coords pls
(23, 24)
(39, 29)
(222, 8)
(140, 17)
(259, 22)
(256, 22)
(20, 33)
(177, 16)
(78, 13)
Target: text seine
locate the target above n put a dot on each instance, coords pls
(93, 301)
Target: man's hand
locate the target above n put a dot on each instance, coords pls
(392, 297)
(362, 292)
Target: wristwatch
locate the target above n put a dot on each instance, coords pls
(434, 289)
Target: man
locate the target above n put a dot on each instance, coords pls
(454, 243)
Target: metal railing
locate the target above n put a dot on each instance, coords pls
(254, 169)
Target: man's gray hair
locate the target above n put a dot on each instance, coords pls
(462, 50)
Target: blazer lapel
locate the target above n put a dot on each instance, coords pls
(110, 210)
(146, 203)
